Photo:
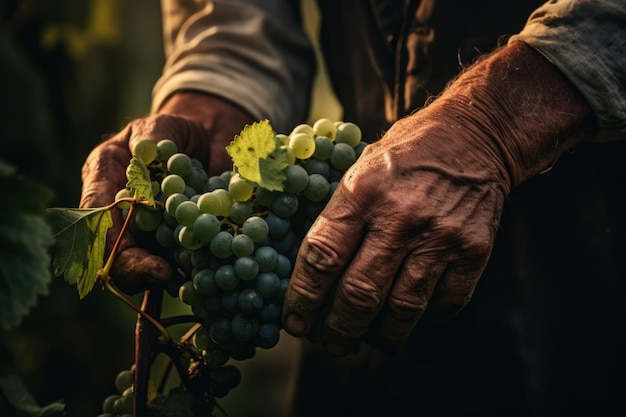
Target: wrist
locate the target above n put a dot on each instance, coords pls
(524, 111)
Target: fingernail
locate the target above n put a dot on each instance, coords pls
(294, 324)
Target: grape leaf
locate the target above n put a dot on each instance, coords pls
(258, 157)
(25, 239)
(139, 180)
(24, 403)
(80, 236)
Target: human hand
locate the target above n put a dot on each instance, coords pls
(202, 126)
(413, 222)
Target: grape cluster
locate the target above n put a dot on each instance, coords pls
(236, 242)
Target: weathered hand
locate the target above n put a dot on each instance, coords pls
(413, 222)
(202, 135)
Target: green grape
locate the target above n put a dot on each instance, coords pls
(316, 166)
(268, 284)
(108, 405)
(246, 268)
(324, 127)
(297, 178)
(165, 149)
(264, 197)
(123, 193)
(285, 205)
(268, 335)
(221, 245)
(210, 203)
(196, 179)
(215, 182)
(189, 192)
(204, 282)
(342, 156)
(188, 239)
(267, 258)
(283, 268)
(303, 128)
(240, 211)
(226, 201)
(145, 149)
(206, 226)
(220, 330)
(348, 133)
(278, 226)
(256, 227)
(173, 184)
(270, 312)
(202, 338)
(229, 302)
(359, 148)
(148, 218)
(188, 295)
(317, 188)
(239, 188)
(244, 327)
(225, 277)
(186, 213)
(172, 202)
(179, 164)
(124, 380)
(302, 144)
(226, 177)
(127, 402)
(242, 245)
(250, 300)
(323, 147)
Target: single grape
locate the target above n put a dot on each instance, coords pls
(244, 327)
(204, 283)
(267, 258)
(285, 205)
(317, 188)
(147, 218)
(123, 380)
(303, 128)
(188, 295)
(342, 156)
(268, 284)
(123, 193)
(240, 211)
(145, 149)
(256, 227)
(173, 184)
(242, 245)
(196, 179)
(246, 268)
(250, 300)
(323, 148)
(264, 197)
(270, 312)
(188, 239)
(284, 139)
(239, 188)
(210, 203)
(215, 182)
(225, 277)
(206, 226)
(186, 213)
(202, 338)
(179, 164)
(268, 335)
(302, 144)
(316, 166)
(283, 268)
(324, 127)
(108, 405)
(172, 202)
(348, 133)
(220, 331)
(297, 178)
(278, 226)
(165, 149)
(221, 245)
(226, 201)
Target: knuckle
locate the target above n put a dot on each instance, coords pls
(360, 294)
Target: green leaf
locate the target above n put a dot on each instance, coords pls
(258, 157)
(80, 236)
(25, 239)
(25, 405)
(139, 180)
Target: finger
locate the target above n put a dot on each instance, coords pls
(362, 291)
(406, 303)
(455, 288)
(324, 252)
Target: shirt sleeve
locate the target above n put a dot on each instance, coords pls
(252, 53)
(586, 40)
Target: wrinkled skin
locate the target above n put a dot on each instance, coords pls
(413, 222)
(201, 126)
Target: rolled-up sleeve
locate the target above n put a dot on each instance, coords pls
(252, 53)
(586, 40)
